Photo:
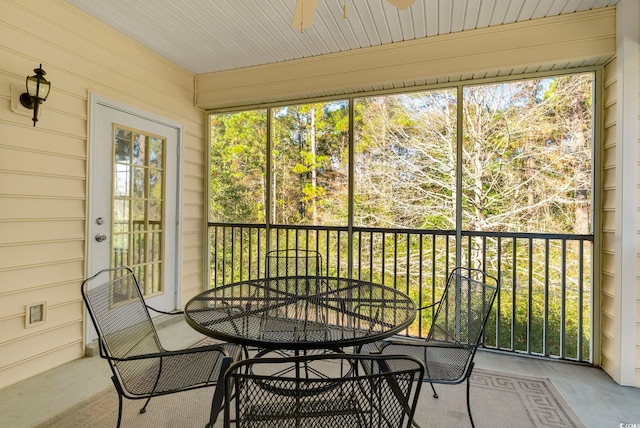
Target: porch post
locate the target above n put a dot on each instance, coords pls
(459, 152)
(626, 242)
(351, 190)
(268, 183)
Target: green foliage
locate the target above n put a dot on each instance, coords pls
(525, 163)
(310, 161)
(238, 165)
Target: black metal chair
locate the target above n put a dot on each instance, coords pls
(293, 262)
(282, 269)
(457, 330)
(383, 395)
(128, 340)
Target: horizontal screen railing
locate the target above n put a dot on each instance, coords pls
(543, 308)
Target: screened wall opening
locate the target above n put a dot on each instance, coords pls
(399, 188)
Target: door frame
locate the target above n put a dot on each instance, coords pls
(96, 100)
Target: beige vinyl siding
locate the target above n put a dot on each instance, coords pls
(614, 312)
(43, 175)
(194, 211)
(607, 286)
(550, 43)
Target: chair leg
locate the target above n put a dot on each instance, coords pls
(435, 394)
(415, 424)
(119, 410)
(468, 376)
(469, 403)
(115, 383)
(155, 385)
(217, 403)
(144, 408)
(427, 375)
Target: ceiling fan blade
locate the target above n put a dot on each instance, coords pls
(303, 15)
(402, 4)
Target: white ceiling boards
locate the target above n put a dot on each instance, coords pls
(205, 36)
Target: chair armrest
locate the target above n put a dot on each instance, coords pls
(174, 312)
(164, 354)
(425, 344)
(430, 306)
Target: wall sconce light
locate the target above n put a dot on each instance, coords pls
(37, 92)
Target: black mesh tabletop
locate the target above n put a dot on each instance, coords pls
(301, 312)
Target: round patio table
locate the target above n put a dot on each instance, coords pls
(301, 312)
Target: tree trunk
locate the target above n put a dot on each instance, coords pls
(582, 185)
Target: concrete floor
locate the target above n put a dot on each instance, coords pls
(596, 399)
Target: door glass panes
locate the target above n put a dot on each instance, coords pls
(156, 154)
(405, 160)
(122, 145)
(238, 167)
(310, 164)
(137, 218)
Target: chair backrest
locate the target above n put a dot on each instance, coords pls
(119, 314)
(293, 262)
(464, 308)
(324, 390)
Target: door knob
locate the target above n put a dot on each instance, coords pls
(101, 237)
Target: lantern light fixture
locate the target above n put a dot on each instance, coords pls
(37, 92)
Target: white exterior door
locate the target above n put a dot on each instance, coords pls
(133, 216)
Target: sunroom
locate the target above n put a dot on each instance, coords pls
(569, 271)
